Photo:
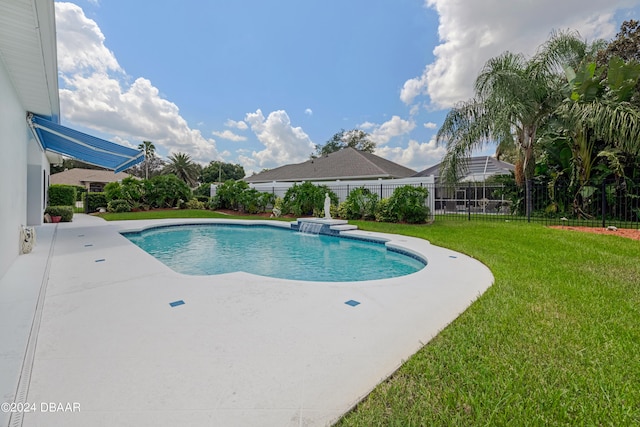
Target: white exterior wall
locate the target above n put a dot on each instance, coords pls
(17, 152)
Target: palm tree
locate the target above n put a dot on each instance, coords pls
(597, 112)
(181, 165)
(149, 151)
(514, 99)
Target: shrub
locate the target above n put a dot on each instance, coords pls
(406, 204)
(95, 201)
(118, 205)
(384, 213)
(203, 199)
(194, 204)
(62, 195)
(307, 199)
(360, 203)
(66, 212)
(203, 190)
(229, 194)
(113, 191)
(164, 191)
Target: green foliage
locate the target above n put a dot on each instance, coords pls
(361, 203)
(306, 199)
(229, 194)
(118, 205)
(62, 195)
(113, 191)
(95, 201)
(217, 171)
(166, 190)
(354, 138)
(194, 204)
(203, 190)
(406, 204)
(181, 165)
(66, 212)
(253, 201)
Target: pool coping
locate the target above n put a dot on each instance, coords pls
(241, 349)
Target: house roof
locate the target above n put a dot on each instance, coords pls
(79, 176)
(347, 163)
(477, 169)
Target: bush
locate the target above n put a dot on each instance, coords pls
(203, 199)
(360, 203)
(62, 195)
(194, 204)
(95, 201)
(164, 191)
(229, 194)
(384, 213)
(307, 199)
(66, 212)
(406, 204)
(118, 205)
(113, 191)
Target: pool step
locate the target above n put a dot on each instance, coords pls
(343, 227)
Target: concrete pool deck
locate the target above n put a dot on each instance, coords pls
(242, 349)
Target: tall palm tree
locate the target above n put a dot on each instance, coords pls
(181, 165)
(149, 151)
(514, 99)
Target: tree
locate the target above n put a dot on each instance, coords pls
(597, 112)
(181, 165)
(149, 152)
(355, 138)
(514, 99)
(217, 171)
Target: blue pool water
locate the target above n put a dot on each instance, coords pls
(272, 251)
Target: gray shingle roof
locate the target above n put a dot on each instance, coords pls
(79, 176)
(347, 163)
(477, 169)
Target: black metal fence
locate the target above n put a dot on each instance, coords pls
(607, 204)
(603, 205)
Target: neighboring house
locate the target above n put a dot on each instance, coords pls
(477, 169)
(347, 163)
(31, 137)
(471, 194)
(93, 180)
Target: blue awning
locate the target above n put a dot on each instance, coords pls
(89, 149)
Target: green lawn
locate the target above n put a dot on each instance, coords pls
(555, 341)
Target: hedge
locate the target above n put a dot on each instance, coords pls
(62, 195)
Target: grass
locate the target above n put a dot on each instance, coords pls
(554, 341)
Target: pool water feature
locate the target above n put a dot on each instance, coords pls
(209, 249)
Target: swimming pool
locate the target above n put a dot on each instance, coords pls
(209, 249)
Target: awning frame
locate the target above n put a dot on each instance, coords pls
(39, 124)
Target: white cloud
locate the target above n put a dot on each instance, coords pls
(417, 155)
(94, 92)
(81, 43)
(227, 134)
(471, 32)
(308, 112)
(283, 143)
(430, 125)
(381, 134)
(238, 125)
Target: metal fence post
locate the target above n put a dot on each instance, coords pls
(467, 196)
(604, 204)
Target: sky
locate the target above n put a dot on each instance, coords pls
(260, 83)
